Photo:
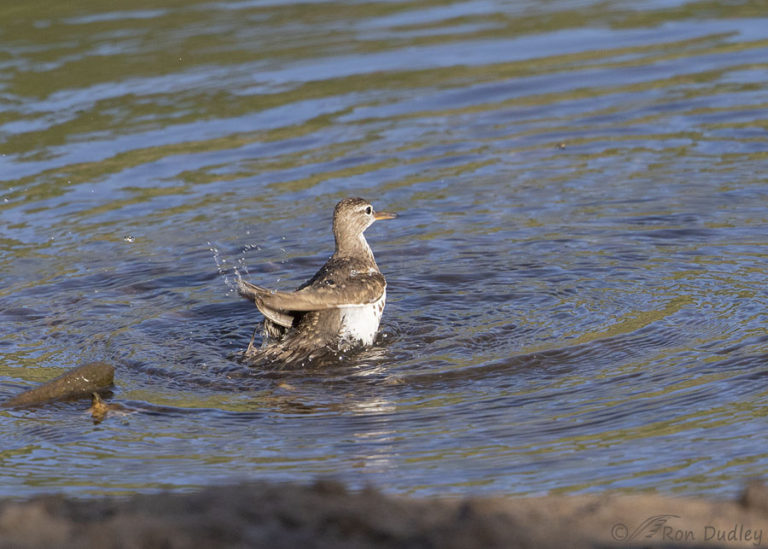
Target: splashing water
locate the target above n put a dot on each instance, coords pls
(232, 271)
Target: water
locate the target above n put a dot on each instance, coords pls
(576, 281)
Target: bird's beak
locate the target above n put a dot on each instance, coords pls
(384, 215)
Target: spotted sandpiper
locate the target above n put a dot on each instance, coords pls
(338, 308)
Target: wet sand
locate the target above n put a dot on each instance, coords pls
(326, 514)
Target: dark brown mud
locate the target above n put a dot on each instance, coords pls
(327, 515)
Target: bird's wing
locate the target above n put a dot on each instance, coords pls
(321, 295)
(255, 293)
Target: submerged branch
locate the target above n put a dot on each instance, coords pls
(80, 382)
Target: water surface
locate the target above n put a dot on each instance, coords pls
(576, 291)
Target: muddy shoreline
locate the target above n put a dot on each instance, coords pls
(326, 514)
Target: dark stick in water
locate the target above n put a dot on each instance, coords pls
(80, 382)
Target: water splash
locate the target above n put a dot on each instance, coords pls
(232, 271)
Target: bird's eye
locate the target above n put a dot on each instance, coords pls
(368, 210)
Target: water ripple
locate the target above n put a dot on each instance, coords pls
(575, 298)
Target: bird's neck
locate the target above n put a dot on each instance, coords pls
(353, 246)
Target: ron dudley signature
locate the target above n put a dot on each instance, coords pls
(665, 528)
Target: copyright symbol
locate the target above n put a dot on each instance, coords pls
(619, 532)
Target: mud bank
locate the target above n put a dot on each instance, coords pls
(327, 515)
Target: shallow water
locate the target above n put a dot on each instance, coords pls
(576, 291)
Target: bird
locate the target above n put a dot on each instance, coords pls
(339, 308)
